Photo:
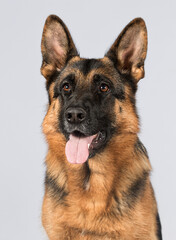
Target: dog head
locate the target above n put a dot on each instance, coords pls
(91, 100)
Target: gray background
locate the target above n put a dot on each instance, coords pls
(94, 25)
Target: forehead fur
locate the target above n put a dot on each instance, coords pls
(86, 68)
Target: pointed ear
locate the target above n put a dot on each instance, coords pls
(57, 46)
(129, 50)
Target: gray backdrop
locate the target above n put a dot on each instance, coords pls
(94, 26)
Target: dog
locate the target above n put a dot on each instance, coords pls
(97, 183)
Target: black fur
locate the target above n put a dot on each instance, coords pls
(70, 78)
(54, 189)
(159, 229)
(86, 65)
(87, 173)
(136, 190)
(132, 195)
(139, 148)
(89, 98)
(118, 90)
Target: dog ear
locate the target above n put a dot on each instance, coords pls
(57, 46)
(129, 50)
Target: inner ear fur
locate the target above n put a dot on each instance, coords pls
(57, 46)
(129, 50)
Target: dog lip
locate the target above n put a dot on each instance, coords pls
(98, 141)
(77, 133)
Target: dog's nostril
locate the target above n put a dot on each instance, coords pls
(80, 116)
(69, 116)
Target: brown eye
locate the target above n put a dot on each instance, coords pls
(66, 87)
(104, 87)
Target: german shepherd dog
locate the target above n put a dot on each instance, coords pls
(97, 183)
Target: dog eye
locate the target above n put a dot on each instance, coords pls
(104, 87)
(66, 87)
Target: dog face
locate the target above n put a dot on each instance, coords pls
(91, 100)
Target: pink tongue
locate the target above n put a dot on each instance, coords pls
(76, 149)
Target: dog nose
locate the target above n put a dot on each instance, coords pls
(75, 115)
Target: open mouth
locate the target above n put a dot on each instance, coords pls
(80, 147)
